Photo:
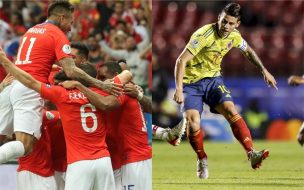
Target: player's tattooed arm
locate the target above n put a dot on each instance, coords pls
(76, 73)
(254, 59)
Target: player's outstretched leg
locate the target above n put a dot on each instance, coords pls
(242, 133)
(176, 133)
(172, 136)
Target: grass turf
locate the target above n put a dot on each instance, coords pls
(174, 168)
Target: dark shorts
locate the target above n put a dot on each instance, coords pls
(211, 91)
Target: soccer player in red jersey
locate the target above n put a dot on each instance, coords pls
(35, 171)
(83, 126)
(128, 140)
(40, 47)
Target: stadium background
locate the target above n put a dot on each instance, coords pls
(94, 21)
(275, 31)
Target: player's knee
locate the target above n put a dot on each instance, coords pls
(193, 123)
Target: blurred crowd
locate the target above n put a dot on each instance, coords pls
(112, 30)
(273, 28)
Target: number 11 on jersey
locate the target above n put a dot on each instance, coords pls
(28, 53)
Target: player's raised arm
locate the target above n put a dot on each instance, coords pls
(179, 70)
(74, 72)
(22, 76)
(254, 59)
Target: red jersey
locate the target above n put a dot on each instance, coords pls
(39, 161)
(83, 125)
(58, 146)
(52, 74)
(128, 132)
(40, 47)
(2, 73)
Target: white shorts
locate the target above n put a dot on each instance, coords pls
(137, 175)
(60, 179)
(118, 179)
(21, 110)
(29, 181)
(90, 174)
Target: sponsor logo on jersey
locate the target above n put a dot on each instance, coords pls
(48, 85)
(66, 49)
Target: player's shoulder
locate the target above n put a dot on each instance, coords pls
(236, 33)
(205, 30)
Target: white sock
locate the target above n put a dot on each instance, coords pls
(161, 133)
(11, 150)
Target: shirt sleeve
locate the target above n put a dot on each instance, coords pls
(240, 42)
(198, 40)
(62, 45)
(52, 93)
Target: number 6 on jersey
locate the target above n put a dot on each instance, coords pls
(84, 115)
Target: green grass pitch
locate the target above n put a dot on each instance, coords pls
(174, 168)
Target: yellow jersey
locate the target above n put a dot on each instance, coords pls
(208, 49)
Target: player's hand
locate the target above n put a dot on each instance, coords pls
(269, 79)
(178, 96)
(132, 90)
(7, 80)
(69, 84)
(295, 80)
(111, 87)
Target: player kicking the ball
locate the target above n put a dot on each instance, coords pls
(198, 81)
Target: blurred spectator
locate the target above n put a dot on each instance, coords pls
(255, 118)
(159, 87)
(131, 53)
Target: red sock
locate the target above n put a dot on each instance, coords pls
(196, 141)
(241, 132)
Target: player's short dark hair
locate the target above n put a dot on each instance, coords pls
(59, 6)
(82, 49)
(86, 67)
(233, 9)
(113, 67)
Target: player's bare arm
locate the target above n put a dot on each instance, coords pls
(22, 76)
(294, 80)
(254, 59)
(144, 101)
(104, 103)
(179, 70)
(74, 72)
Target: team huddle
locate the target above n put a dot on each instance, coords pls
(81, 134)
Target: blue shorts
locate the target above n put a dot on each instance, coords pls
(211, 91)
